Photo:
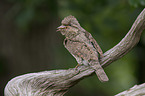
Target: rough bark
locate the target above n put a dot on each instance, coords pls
(57, 82)
(136, 90)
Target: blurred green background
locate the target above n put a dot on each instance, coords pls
(29, 41)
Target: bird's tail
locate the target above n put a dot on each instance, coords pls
(100, 72)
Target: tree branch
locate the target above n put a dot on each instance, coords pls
(57, 82)
(137, 90)
(127, 43)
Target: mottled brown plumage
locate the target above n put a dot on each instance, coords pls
(82, 45)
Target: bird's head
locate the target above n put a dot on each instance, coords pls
(70, 27)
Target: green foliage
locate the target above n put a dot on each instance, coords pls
(137, 3)
(33, 11)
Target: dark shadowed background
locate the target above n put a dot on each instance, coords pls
(29, 41)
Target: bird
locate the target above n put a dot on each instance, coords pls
(82, 46)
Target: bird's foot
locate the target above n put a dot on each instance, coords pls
(77, 66)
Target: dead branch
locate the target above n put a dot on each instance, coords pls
(136, 90)
(57, 82)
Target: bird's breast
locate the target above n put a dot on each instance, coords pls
(81, 50)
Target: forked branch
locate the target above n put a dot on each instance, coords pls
(57, 82)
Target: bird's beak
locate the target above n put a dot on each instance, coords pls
(61, 27)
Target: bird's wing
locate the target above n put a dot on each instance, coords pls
(94, 43)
